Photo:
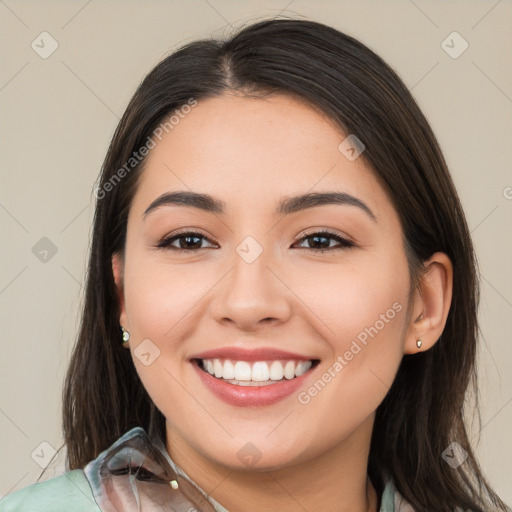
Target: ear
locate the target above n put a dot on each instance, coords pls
(432, 301)
(118, 271)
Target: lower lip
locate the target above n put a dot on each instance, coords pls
(245, 396)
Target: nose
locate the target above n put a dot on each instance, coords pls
(252, 295)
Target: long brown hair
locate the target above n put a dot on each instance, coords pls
(422, 413)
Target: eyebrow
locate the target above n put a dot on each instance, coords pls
(286, 206)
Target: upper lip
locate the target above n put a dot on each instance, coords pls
(246, 354)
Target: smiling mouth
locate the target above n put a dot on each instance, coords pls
(255, 373)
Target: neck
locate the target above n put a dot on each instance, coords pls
(335, 480)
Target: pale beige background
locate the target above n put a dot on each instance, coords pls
(59, 113)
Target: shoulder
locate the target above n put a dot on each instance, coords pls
(53, 495)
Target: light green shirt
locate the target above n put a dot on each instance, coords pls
(108, 484)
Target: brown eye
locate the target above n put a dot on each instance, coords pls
(188, 241)
(321, 241)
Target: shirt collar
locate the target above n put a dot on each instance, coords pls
(136, 473)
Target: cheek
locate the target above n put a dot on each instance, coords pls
(366, 312)
(360, 299)
(160, 297)
(160, 302)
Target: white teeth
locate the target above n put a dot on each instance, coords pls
(302, 368)
(242, 370)
(246, 374)
(289, 370)
(229, 370)
(260, 371)
(276, 370)
(218, 368)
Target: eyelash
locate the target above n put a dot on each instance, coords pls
(344, 243)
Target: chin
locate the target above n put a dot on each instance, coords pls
(242, 454)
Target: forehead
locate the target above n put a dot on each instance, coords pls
(249, 152)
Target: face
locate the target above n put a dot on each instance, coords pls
(310, 325)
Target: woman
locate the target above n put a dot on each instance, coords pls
(281, 305)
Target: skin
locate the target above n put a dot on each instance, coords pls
(250, 153)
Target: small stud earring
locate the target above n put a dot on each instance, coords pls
(419, 343)
(126, 336)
